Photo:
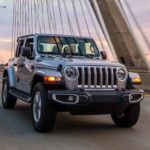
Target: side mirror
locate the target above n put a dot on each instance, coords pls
(26, 52)
(104, 55)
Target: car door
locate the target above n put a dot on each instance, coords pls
(16, 61)
(26, 68)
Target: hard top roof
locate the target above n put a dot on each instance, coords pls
(60, 35)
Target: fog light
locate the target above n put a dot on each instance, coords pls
(66, 98)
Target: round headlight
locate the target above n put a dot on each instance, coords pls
(71, 73)
(121, 73)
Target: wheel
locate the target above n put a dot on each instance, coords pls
(129, 118)
(43, 113)
(8, 101)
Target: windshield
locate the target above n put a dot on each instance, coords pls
(67, 46)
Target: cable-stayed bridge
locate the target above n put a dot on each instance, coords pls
(75, 17)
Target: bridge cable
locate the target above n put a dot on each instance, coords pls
(37, 21)
(17, 18)
(42, 8)
(31, 10)
(94, 24)
(24, 17)
(68, 18)
(29, 25)
(26, 27)
(13, 28)
(38, 14)
(36, 18)
(54, 17)
(21, 17)
(104, 32)
(49, 7)
(34, 14)
(137, 23)
(13, 24)
(86, 22)
(15, 31)
(76, 17)
(61, 17)
(49, 17)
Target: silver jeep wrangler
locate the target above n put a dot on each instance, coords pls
(58, 73)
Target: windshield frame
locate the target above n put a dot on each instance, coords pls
(66, 38)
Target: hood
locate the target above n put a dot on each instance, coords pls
(54, 62)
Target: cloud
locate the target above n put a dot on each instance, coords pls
(4, 55)
(5, 40)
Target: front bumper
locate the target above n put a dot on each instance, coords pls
(95, 101)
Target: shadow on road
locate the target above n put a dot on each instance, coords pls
(65, 123)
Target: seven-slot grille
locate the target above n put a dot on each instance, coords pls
(97, 77)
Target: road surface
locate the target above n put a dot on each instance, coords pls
(72, 132)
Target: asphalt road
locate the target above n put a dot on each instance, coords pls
(72, 132)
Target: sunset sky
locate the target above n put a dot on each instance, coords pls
(141, 9)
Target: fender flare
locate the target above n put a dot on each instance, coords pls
(43, 73)
(10, 72)
(39, 74)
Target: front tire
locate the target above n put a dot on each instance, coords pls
(129, 118)
(43, 113)
(8, 101)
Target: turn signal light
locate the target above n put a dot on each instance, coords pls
(52, 79)
(136, 80)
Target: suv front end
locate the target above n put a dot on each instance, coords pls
(95, 90)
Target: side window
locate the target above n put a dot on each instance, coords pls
(19, 46)
(29, 43)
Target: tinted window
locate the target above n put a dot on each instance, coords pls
(67, 46)
(19, 47)
(48, 45)
(30, 43)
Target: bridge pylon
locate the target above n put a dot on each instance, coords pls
(126, 47)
